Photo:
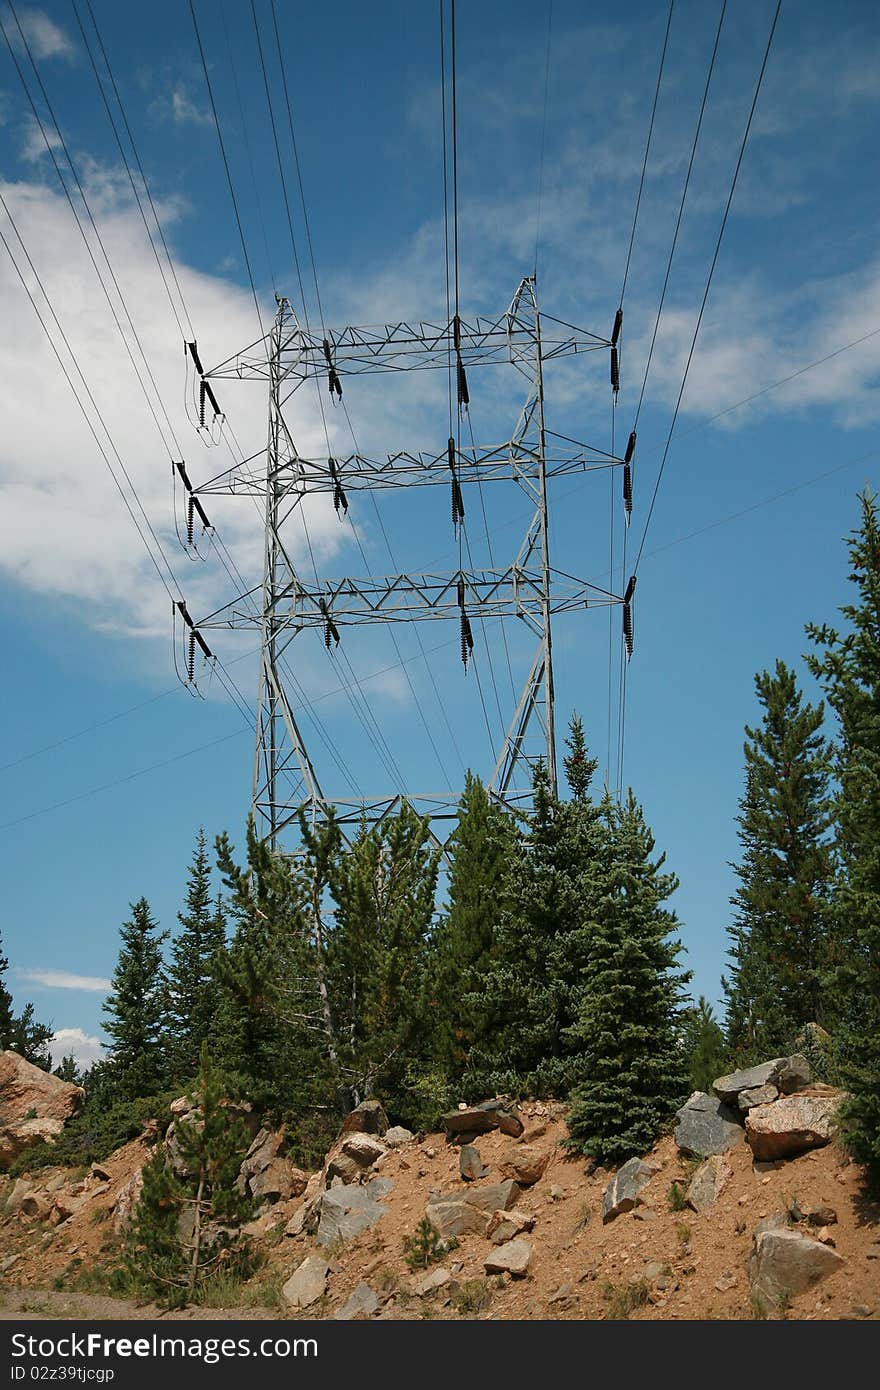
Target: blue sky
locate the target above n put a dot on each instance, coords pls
(731, 571)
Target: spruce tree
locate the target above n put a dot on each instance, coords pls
(533, 982)
(192, 988)
(377, 959)
(275, 1033)
(705, 1048)
(848, 666)
(629, 1017)
(779, 935)
(5, 1004)
(186, 1227)
(136, 1007)
(479, 848)
(22, 1033)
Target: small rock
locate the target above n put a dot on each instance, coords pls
(470, 1165)
(564, 1292)
(362, 1303)
(556, 1193)
(645, 1214)
(397, 1136)
(708, 1182)
(726, 1282)
(365, 1149)
(513, 1259)
(308, 1283)
(861, 1310)
(430, 1281)
(343, 1169)
(525, 1164)
(622, 1192)
(821, 1216)
(756, 1095)
(506, 1225)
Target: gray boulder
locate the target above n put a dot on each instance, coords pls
(622, 1192)
(307, 1283)
(708, 1182)
(470, 1165)
(346, 1211)
(494, 1196)
(707, 1126)
(362, 1303)
(397, 1136)
(786, 1074)
(513, 1258)
(785, 1263)
(456, 1218)
(756, 1095)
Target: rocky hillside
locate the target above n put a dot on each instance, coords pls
(749, 1209)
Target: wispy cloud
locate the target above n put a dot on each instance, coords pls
(33, 143)
(75, 1042)
(64, 979)
(177, 105)
(45, 38)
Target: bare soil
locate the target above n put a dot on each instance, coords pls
(580, 1267)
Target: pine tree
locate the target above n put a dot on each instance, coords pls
(533, 982)
(705, 1047)
(629, 1017)
(275, 1034)
(21, 1033)
(377, 957)
(6, 1015)
(186, 1224)
(68, 1070)
(465, 945)
(136, 1007)
(849, 668)
(779, 936)
(192, 988)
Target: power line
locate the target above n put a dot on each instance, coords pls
(678, 219)
(94, 227)
(247, 259)
(699, 321)
(543, 133)
(715, 255)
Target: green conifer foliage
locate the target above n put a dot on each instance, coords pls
(274, 1030)
(780, 933)
(22, 1033)
(136, 1007)
(705, 1048)
(186, 1227)
(377, 956)
(465, 945)
(533, 983)
(848, 666)
(192, 986)
(629, 1016)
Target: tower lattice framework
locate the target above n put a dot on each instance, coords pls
(529, 589)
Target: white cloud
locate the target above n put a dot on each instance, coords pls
(45, 38)
(64, 979)
(33, 143)
(64, 531)
(75, 1042)
(184, 111)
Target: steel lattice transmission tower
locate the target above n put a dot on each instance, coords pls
(529, 589)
